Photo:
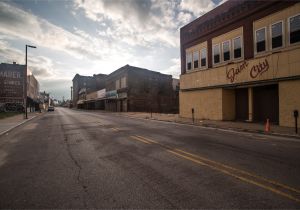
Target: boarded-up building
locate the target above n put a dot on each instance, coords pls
(240, 61)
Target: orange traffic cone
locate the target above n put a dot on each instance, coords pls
(267, 127)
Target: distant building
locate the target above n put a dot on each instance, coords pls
(136, 89)
(12, 88)
(33, 92)
(83, 85)
(11, 83)
(128, 88)
(44, 100)
(240, 61)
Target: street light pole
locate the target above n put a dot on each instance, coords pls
(25, 82)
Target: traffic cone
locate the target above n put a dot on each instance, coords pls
(267, 127)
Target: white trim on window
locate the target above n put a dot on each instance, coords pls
(288, 23)
(266, 41)
(282, 32)
(229, 45)
(242, 48)
(193, 61)
(187, 61)
(220, 53)
(203, 67)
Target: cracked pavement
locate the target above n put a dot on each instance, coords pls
(77, 159)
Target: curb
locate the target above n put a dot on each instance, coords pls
(220, 128)
(4, 132)
(296, 137)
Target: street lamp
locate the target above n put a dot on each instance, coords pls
(25, 81)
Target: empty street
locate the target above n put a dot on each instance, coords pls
(79, 159)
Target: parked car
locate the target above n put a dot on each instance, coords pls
(50, 108)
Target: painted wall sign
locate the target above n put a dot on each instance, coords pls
(233, 72)
(255, 71)
(11, 83)
(259, 69)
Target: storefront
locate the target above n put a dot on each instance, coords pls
(244, 71)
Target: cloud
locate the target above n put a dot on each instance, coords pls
(175, 68)
(39, 66)
(20, 24)
(134, 22)
(197, 7)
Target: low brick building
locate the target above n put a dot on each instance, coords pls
(12, 88)
(83, 85)
(11, 84)
(136, 89)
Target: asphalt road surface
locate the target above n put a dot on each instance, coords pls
(77, 159)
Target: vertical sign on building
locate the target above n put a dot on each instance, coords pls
(11, 83)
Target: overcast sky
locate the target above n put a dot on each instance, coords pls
(94, 36)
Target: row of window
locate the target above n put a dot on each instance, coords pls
(226, 52)
(194, 57)
(277, 34)
(233, 49)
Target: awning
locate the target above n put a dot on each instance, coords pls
(80, 102)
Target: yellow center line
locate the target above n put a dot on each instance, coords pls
(236, 176)
(147, 139)
(115, 129)
(242, 171)
(139, 139)
(222, 168)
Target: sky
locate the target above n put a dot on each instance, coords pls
(94, 36)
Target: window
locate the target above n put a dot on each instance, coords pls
(216, 53)
(294, 26)
(203, 57)
(226, 50)
(123, 82)
(117, 84)
(277, 35)
(196, 59)
(237, 47)
(189, 61)
(260, 37)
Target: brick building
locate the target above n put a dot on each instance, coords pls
(33, 93)
(136, 89)
(128, 88)
(83, 85)
(240, 61)
(11, 83)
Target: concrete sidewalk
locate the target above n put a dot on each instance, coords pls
(9, 123)
(228, 125)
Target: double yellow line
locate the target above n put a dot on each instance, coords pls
(245, 176)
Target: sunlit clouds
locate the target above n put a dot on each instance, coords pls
(94, 36)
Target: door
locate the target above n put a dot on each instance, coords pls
(266, 103)
(241, 104)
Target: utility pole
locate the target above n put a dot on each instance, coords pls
(71, 93)
(25, 82)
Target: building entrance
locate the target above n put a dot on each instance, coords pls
(241, 104)
(266, 103)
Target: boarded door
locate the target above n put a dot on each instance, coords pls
(241, 104)
(266, 103)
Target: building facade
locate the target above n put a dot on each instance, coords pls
(33, 93)
(11, 84)
(83, 85)
(139, 90)
(240, 61)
